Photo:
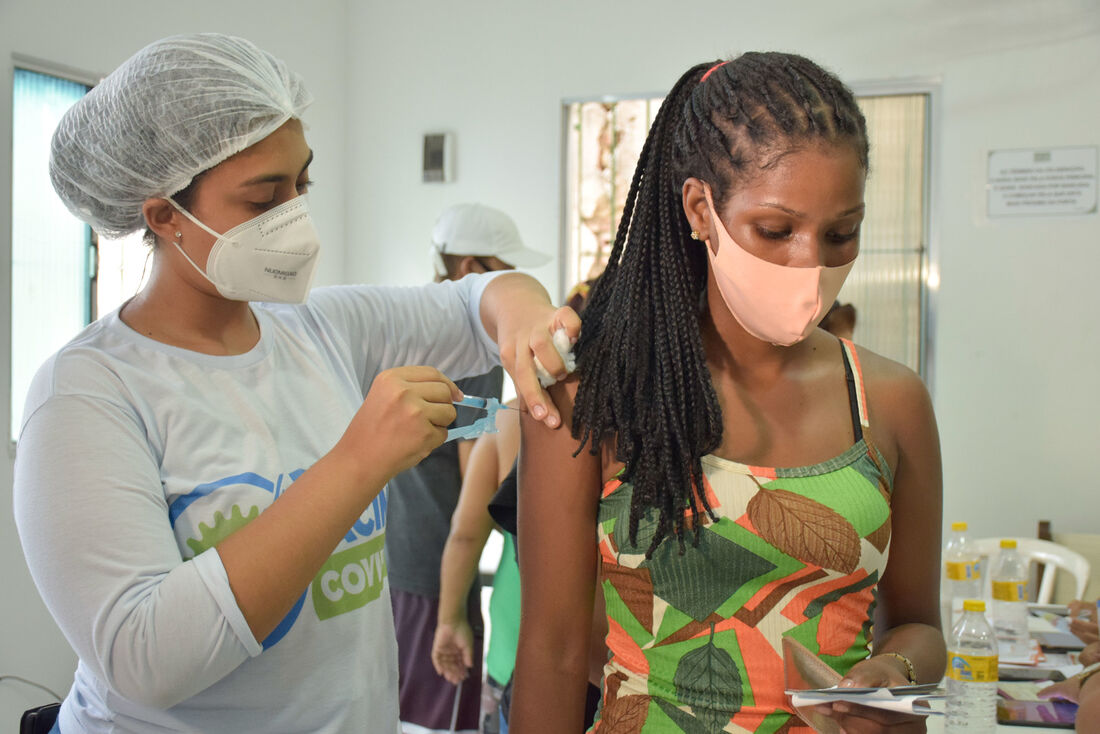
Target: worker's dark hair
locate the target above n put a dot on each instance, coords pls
(644, 378)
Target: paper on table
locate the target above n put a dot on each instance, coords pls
(1057, 666)
(1033, 656)
(1021, 690)
(1044, 622)
(1059, 609)
(879, 698)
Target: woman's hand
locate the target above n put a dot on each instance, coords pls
(877, 671)
(530, 337)
(1065, 690)
(517, 313)
(453, 650)
(1082, 620)
(1085, 693)
(403, 418)
(1090, 655)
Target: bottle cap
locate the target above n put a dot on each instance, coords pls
(958, 526)
(1008, 543)
(973, 605)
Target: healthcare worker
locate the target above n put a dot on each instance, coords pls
(199, 486)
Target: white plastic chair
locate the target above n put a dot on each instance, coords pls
(1052, 555)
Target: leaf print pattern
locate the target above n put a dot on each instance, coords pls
(635, 588)
(684, 721)
(695, 635)
(701, 578)
(625, 715)
(881, 537)
(805, 529)
(611, 687)
(709, 674)
(619, 506)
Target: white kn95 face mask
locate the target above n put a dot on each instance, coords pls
(270, 258)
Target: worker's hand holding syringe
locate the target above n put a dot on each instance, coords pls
(408, 409)
(406, 414)
(403, 418)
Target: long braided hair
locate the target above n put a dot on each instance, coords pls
(644, 378)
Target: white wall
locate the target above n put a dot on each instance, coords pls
(1015, 344)
(95, 37)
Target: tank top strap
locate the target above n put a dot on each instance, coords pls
(857, 396)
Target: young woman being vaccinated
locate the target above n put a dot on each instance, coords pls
(741, 475)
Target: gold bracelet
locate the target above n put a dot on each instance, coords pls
(1087, 672)
(910, 671)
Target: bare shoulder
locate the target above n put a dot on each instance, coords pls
(890, 384)
(551, 468)
(898, 403)
(561, 443)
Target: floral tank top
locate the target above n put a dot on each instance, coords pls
(695, 640)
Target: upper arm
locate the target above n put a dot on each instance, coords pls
(909, 590)
(436, 324)
(558, 500)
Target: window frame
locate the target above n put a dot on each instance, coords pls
(930, 265)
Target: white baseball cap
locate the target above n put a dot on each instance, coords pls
(482, 231)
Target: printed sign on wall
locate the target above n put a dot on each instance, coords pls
(1042, 182)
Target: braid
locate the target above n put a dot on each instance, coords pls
(645, 383)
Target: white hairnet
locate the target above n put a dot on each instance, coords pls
(176, 108)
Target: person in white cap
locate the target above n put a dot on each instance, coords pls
(467, 238)
(474, 238)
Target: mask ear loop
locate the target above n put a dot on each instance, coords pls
(179, 236)
(193, 219)
(712, 212)
(704, 301)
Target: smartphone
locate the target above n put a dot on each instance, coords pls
(1053, 714)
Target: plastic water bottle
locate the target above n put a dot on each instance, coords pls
(961, 571)
(1009, 577)
(971, 673)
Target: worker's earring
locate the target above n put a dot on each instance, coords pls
(694, 235)
(179, 236)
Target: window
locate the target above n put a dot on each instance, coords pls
(887, 285)
(605, 139)
(61, 278)
(51, 251)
